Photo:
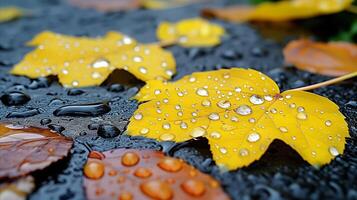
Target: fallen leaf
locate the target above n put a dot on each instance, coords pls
(164, 4)
(240, 112)
(191, 32)
(331, 59)
(82, 61)
(278, 11)
(27, 149)
(146, 174)
(107, 5)
(17, 189)
(10, 13)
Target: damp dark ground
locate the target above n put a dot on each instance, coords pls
(280, 174)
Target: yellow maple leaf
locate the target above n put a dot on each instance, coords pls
(279, 11)
(191, 32)
(10, 13)
(240, 112)
(83, 61)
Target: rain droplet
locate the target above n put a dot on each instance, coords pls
(127, 40)
(130, 159)
(169, 72)
(273, 110)
(157, 189)
(166, 126)
(192, 79)
(292, 105)
(96, 75)
(223, 150)
(142, 172)
(328, 123)
(198, 132)
(170, 164)
(333, 151)
(256, 100)
(253, 137)
(138, 116)
(100, 63)
(268, 97)
(283, 129)
(94, 169)
(215, 135)
(193, 187)
(144, 131)
(167, 137)
(224, 104)
(75, 83)
(206, 103)
(183, 125)
(157, 92)
(238, 89)
(143, 70)
(244, 110)
(243, 152)
(125, 196)
(301, 116)
(202, 92)
(300, 109)
(213, 116)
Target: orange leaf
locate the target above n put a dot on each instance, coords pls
(279, 11)
(146, 174)
(26, 149)
(331, 59)
(107, 5)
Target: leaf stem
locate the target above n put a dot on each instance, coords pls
(352, 9)
(326, 83)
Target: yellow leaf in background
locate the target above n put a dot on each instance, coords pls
(10, 13)
(83, 61)
(278, 11)
(240, 112)
(164, 4)
(191, 32)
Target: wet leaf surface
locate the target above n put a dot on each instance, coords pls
(107, 5)
(146, 174)
(278, 11)
(240, 112)
(331, 59)
(27, 149)
(10, 13)
(83, 61)
(191, 33)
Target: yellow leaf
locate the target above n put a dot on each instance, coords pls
(240, 112)
(82, 61)
(10, 13)
(191, 32)
(279, 11)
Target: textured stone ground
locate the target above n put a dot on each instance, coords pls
(280, 174)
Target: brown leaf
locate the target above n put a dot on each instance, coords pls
(331, 59)
(146, 174)
(26, 149)
(107, 5)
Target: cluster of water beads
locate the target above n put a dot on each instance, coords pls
(154, 174)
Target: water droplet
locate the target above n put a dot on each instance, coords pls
(144, 131)
(157, 92)
(206, 103)
(223, 150)
(244, 110)
(301, 116)
(130, 159)
(328, 123)
(292, 105)
(127, 40)
(198, 132)
(213, 116)
(300, 109)
(253, 137)
(194, 188)
(138, 116)
(256, 100)
(333, 151)
(273, 110)
(224, 104)
(96, 75)
(108, 131)
(75, 83)
(100, 63)
(169, 72)
(157, 189)
(167, 137)
(283, 129)
(166, 126)
(94, 169)
(137, 59)
(238, 89)
(125, 196)
(192, 79)
(83, 110)
(202, 92)
(143, 70)
(170, 164)
(215, 135)
(243, 152)
(143, 172)
(15, 98)
(183, 125)
(268, 98)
